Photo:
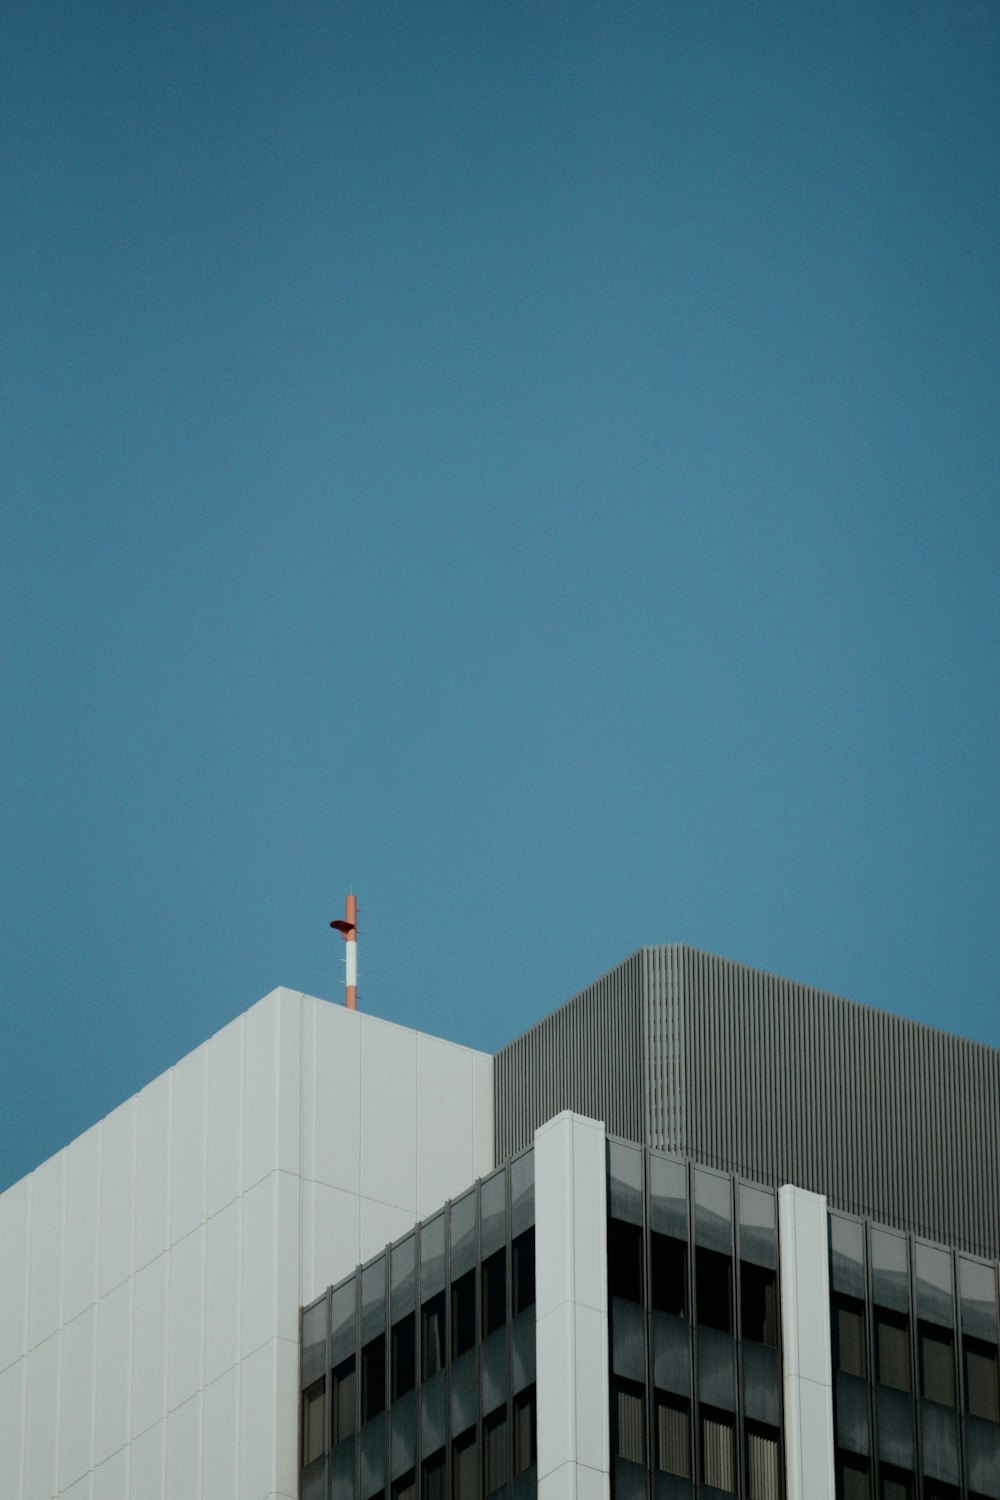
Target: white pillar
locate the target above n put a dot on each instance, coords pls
(571, 1353)
(805, 1334)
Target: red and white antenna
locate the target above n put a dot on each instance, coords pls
(348, 930)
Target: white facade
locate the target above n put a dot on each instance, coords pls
(151, 1273)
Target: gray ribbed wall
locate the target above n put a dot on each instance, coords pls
(587, 1056)
(773, 1080)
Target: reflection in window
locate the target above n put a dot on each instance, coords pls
(763, 1465)
(673, 1436)
(668, 1274)
(713, 1287)
(625, 1260)
(628, 1427)
(312, 1422)
(937, 1363)
(463, 1314)
(981, 1392)
(464, 1467)
(718, 1450)
(432, 1336)
(523, 1261)
(404, 1356)
(344, 1400)
(849, 1350)
(524, 1430)
(494, 1292)
(892, 1349)
(758, 1304)
(495, 1451)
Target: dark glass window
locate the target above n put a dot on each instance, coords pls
(524, 1430)
(463, 1314)
(405, 1487)
(763, 1462)
(935, 1490)
(713, 1286)
(758, 1304)
(312, 1422)
(673, 1436)
(432, 1477)
(432, 1336)
(849, 1346)
(981, 1393)
(344, 1400)
(892, 1349)
(625, 1260)
(496, 1451)
(895, 1484)
(373, 1378)
(404, 1356)
(853, 1479)
(464, 1467)
(668, 1274)
(937, 1363)
(718, 1450)
(494, 1292)
(523, 1258)
(628, 1425)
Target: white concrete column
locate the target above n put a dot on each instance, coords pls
(571, 1309)
(805, 1333)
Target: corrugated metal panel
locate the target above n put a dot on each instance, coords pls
(586, 1056)
(775, 1081)
(784, 1083)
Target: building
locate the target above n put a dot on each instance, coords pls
(701, 1232)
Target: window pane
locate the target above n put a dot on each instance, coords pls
(668, 1273)
(759, 1304)
(892, 1342)
(344, 1400)
(432, 1336)
(494, 1292)
(524, 1430)
(495, 1451)
(849, 1350)
(405, 1487)
(981, 1392)
(673, 1437)
(312, 1422)
(465, 1467)
(404, 1351)
(718, 1451)
(625, 1260)
(763, 1468)
(432, 1476)
(896, 1485)
(853, 1480)
(713, 1286)
(523, 1256)
(937, 1364)
(629, 1427)
(373, 1378)
(463, 1314)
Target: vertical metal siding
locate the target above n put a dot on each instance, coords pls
(775, 1081)
(888, 1118)
(587, 1056)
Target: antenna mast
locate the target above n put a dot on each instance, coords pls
(348, 929)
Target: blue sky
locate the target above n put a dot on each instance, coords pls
(537, 463)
